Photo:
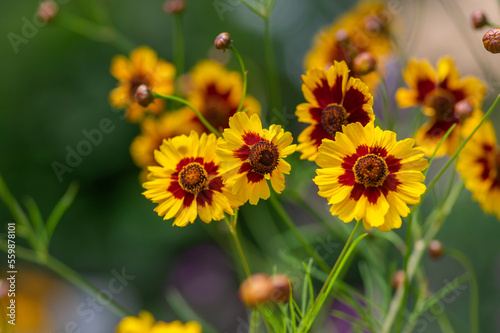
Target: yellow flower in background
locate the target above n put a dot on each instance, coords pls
(333, 100)
(251, 155)
(216, 92)
(367, 174)
(479, 165)
(443, 95)
(143, 67)
(188, 183)
(365, 28)
(153, 131)
(145, 323)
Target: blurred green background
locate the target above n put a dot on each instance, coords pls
(57, 85)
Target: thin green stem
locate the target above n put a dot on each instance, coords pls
(474, 292)
(244, 73)
(288, 221)
(179, 48)
(62, 205)
(271, 69)
(385, 100)
(455, 155)
(232, 229)
(406, 281)
(445, 136)
(189, 105)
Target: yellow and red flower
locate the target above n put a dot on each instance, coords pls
(363, 29)
(479, 165)
(216, 92)
(367, 174)
(143, 67)
(145, 323)
(153, 131)
(188, 182)
(333, 100)
(250, 155)
(442, 95)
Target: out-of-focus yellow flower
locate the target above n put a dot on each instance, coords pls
(250, 155)
(367, 174)
(365, 28)
(188, 182)
(216, 92)
(442, 94)
(143, 67)
(154, 131)
(145, 323)
(333, 100)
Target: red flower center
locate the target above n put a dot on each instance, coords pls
(497, 162)
(135, 82)
(264, 157)
(333, 117)
(443, 102)
(193, 178)
(370, 170)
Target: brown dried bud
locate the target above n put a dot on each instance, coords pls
(364, 63)
(47, 10)
(398, 279)
(479, 19)
(435, 249)
(174, 6)
(223, 41)
(491, 40)
(256, 289)
(144, 95)
(281, 288)
(464, 108)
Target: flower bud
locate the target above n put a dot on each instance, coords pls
(479, 19)
(398, 279)
(174, 6)
(223, 41)
(375, 24)
(256, 289)
(342, 36)
(464, 108)
(364, 63)
(491, 40)
(281, 288)
(435, 249)
(144, 95)
(47, 11)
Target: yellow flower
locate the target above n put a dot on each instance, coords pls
(440, 93)
(363, 29)
(188, 182)
(144, 67)
(145, 323)
(367, 174)
(216, 92)
(333, 100)
(153, 131)
(250, 155)
(479, 166)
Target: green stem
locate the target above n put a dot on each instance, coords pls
(179, 48)
(62, 205)
(455, 155)
(198, 114)
(474, 292)
(271, 69)
(93, 31)
(445, 136)
(385, 101)
(288, 221)
(232, 229)
(244, 73)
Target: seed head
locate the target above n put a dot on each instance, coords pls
(491, 40)
(144, 95)
(47, 11)
(174, 6)
(435, 249)
(479, 19)
(364, 63)
(256, 289)
(223, 41)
